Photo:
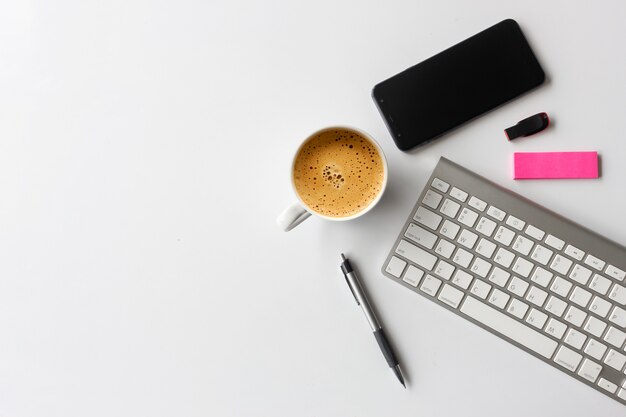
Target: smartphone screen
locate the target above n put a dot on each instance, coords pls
(458, 84)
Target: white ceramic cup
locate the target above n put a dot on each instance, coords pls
(299, 211)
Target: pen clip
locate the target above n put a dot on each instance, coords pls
(351, 290)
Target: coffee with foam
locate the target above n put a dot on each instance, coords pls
(338, 173)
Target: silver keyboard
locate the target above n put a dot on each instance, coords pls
(520, 271)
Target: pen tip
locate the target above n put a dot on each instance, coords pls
(343, 257)
(398, 372)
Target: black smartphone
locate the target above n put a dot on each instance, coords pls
(458, 84)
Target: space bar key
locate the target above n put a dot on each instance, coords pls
(509, 327)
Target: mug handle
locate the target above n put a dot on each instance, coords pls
(292, 216)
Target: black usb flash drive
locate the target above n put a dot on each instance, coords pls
(528, 126)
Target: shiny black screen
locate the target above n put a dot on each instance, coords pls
(458, 84)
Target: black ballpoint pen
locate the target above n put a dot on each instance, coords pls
(361, 299)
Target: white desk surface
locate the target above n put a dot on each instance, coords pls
(144, 155)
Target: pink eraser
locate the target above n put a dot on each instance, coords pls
(544, 165)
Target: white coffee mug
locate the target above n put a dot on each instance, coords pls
(299, 211)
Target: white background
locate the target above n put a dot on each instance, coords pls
(144, 155)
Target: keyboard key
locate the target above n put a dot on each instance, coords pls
(395, 266)
(590, 370)
(536, 318)
(555, 242)
(496, 213)
(515, 223)
(450, 296)
(594, 262)
(509, 327)
(580, 274)
(485, 226)
(575, 339)
(450, 229)
(556, 306)
(580, 296)
(574, 252)
(615, 337)
(575, 316)
(567, 358)
(518, 286)
(477, 203)
(522, 267)
(615, 359)
(458, 194)
(413, 276)
(541, 277)
(561, 264)
(541, 254)
(607, 385)
(480, 288)
(499, 277)
(444, 270)
(468, 217)
(536, 296)
(427, 218)
(485, 248)
(480, 267)
(615, 273)
(420, 236)
(618, 294)
(440, 185)
(600, 284)
(467, 238)
(504, 257)
(450, 208)
(600, 306)
(462, 257)
(504, 236)
(560, 286)
(416, 255)
(498, 298)
(618, 316)
(517, 308)
(445, 248)
(430, 285)
(535, 232)
(432, 199)
(594, 326)
(622, 393)
(462, 279)
(556, 328)
(595, 349)
(523, 245)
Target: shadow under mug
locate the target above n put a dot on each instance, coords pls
(299, 211)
